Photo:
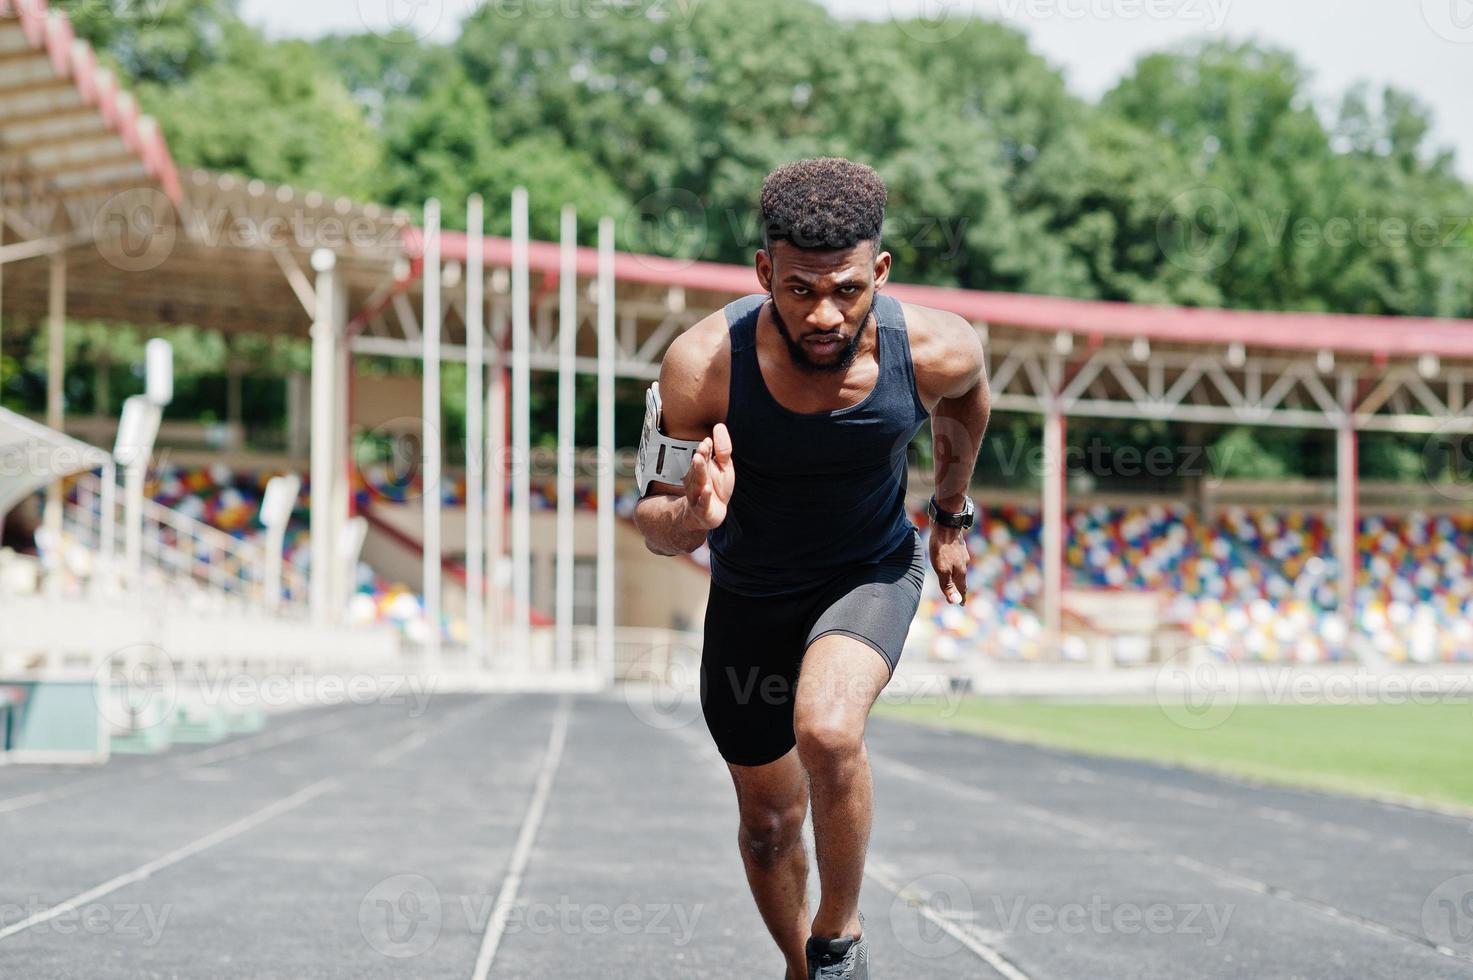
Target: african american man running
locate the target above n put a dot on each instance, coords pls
(778, 435)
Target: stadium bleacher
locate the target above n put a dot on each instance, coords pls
(1254, 584)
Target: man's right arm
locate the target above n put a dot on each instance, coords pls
(666, 516)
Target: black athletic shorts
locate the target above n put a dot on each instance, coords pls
(754, 646)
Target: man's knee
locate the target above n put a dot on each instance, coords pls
(829, 739)
(769, 832)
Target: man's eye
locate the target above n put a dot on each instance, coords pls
(849, 290)
(799, 291)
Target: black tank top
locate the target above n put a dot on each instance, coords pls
(816, 492)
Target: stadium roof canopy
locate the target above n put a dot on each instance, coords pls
(108, 228)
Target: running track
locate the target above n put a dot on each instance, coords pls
(534, 836)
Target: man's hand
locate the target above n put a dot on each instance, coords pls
(709, 483)
(950, 557)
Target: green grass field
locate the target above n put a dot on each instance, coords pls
(1410, 750)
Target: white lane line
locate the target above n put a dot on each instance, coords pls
(526, 838)
(182, 763)
(268, 812)
(1122, 839)
(922, 903)
(174, 857)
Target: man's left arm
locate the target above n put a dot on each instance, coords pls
(958, 423)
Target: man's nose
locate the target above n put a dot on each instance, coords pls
(826, 316)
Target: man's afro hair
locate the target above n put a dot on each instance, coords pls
(826, 203)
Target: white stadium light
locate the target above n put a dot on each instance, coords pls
(279, 499)
(158, 359)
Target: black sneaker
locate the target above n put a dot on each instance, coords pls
(838, 959)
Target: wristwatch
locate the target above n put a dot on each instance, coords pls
(963, 520)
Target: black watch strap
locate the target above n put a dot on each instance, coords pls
(964, 519)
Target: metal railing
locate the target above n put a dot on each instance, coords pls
(179, 550)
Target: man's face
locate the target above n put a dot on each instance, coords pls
(822, 300)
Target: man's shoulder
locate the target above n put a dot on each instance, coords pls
(701, 347)
(944, 346)
(696, 371)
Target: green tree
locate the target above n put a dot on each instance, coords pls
(156, 42)
(269, 110)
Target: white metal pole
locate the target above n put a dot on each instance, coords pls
(55, 403)
(431, 434)
(606, 351)
(567, 449)
(1347, 479)
(324, 468)
(496, 480)
(108, 506)
(521, 421)
(1053, 523)
(475, 440)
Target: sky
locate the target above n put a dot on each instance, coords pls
(1422, 46)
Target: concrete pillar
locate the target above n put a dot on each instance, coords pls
(325, 472)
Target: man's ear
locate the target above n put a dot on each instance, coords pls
(883, 262)
(763, 263)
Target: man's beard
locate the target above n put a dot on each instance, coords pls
(799, 354)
